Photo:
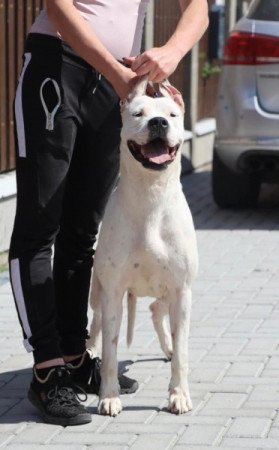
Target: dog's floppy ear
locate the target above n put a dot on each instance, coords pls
(142, 87)
(167, 90)
(139, 89)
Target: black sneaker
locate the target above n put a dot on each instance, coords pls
(87, 374)
(58, 398)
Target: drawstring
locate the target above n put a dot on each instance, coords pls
(99, 78)
(50, 114)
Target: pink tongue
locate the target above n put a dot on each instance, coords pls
(157, 152)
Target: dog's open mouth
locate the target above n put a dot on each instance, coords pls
(156, 154)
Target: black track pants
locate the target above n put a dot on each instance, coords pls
(67, 131)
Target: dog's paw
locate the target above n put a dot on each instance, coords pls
(110, 406)
(179, 403)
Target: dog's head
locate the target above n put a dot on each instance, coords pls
(153, 126)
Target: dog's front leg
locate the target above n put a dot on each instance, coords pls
(109, 402)
(179, 396)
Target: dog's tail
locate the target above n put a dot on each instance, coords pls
(131, 303)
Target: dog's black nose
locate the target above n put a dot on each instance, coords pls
(158, 122)
(158, 127)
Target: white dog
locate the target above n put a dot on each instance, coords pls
(147, 243)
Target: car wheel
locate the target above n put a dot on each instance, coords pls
(231, 189)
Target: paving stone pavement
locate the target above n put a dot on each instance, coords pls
(234, 350)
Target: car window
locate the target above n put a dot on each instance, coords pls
(264, 10)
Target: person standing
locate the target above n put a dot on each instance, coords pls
(81, 57)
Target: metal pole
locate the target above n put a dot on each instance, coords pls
(232, 13)
(149, 26)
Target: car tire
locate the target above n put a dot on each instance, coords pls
(231, 189)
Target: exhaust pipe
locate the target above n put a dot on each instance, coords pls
(270, 164)
(256, 164)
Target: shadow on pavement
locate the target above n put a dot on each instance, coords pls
(207, 215)
(14, 405)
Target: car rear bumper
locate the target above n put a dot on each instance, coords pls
(260, 156)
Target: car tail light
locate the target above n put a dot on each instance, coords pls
(250, 49)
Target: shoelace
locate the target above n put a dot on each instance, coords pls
(68, 395)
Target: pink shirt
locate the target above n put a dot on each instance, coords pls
(117, 23)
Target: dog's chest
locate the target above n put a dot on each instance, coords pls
(153, 268)
(148, 273)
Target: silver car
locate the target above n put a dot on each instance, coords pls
(246, 149)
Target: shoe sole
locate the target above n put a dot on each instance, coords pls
(81, 419)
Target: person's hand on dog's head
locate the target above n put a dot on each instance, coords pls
(158, 63)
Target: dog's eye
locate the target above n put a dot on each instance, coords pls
(138, 114)
(173, 115)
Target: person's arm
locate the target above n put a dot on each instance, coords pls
(79, 35)
(161, 62)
